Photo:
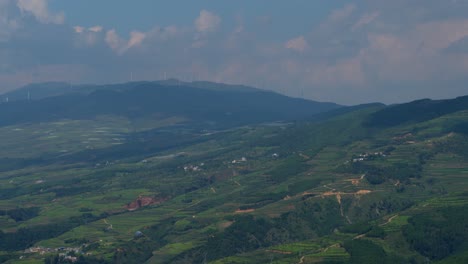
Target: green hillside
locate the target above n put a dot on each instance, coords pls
(199, 105)
(346, 186)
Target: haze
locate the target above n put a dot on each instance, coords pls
(346, 52)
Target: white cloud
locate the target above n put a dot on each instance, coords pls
(342, 13)
(416, 54)
(92, 35)
(207, 22)
(357, 49)
(8, 24)
(119, 45)
(96, 29)
(39, 9)
(79, 29)
(88, 36)
(113, 40)
(347, 72)
(136, 38)
(298, 44)
(365, 19)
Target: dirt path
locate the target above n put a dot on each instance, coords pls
(334, 245)
(107, 223)
(389, 220)
(333, 193)
(359, 236)
(239, 211)
(338, 198)
(279, 251)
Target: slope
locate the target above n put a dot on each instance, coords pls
(331, 190)
(220, 107)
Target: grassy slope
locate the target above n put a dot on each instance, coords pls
(202, 204)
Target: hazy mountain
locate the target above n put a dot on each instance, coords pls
(221, 105)
(38, 91)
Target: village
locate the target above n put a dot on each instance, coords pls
(368, 156)
(67, 253)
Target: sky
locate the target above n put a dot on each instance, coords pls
(348, 52)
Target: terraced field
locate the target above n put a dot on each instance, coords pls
(308, 192)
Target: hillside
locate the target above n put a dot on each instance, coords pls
(336, 187)
(417, 111)
(225, 106)
(39, 91)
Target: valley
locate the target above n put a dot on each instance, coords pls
(339, 186)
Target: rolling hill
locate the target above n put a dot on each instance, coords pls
(145, 182)
(224, 106)
(417, 111)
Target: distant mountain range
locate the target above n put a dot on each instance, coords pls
(36, 91)
(202, 102)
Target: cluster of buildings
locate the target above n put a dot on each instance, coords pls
(68, 258)
(194, 168)
(107, 163)
(368, 156)
(64, 251)
(243, 159)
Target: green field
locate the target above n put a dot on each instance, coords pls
(292, 193)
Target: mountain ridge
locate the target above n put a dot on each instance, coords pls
(48, 89)
(224, 106)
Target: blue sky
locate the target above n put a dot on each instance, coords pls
(334, 50)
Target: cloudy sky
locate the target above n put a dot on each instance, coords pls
(333, 50)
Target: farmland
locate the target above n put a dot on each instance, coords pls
(328, 191)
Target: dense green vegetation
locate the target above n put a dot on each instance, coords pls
(417, 111)
(136, 185)
(365, 251)
(22, 214)
(440, 233)
(201, 106)
(379, 174)
(27, 236)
